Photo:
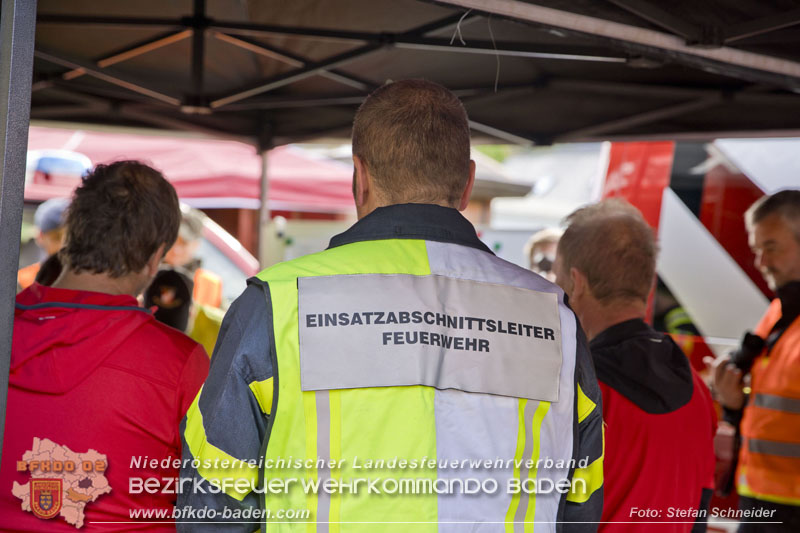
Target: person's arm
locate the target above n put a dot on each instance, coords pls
(227, 421)
(583, 509)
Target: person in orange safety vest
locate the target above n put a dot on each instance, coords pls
(768, 415)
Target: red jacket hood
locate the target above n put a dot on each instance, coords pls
(61, 335)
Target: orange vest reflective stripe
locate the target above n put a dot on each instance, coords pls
(769, 464)
(27, 275)
(207, 288)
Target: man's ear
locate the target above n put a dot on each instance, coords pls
(468, 189)
(155, 260)
(580, 284)
(360, 181)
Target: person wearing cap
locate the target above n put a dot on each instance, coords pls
(49, 222)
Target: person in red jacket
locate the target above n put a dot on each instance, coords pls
(660, 420)
(97, 387)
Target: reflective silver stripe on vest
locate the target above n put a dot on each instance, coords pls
(558, 425)
(524, 471)
(779, 403)
(772, 447)
(376, 330)
(475, 427)
(324, 453)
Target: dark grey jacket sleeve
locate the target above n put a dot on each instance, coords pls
(581, 510)
(228, 422)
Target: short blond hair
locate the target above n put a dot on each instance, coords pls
(543, 236)
(613, 246)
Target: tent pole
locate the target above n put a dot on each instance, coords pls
(17, 29)
(271, 247)
(263, 213)
(271, 238)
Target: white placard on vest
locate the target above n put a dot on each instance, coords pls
(386, 330)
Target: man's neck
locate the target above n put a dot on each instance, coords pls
(601, 317)
(104, 283)
(366, 209)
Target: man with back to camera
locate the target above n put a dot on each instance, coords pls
(92, 373)
(768, 473)
(659, 455)
(406, 340)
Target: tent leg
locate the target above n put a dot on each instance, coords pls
(17, 28)
(263, 214)
(271, 238)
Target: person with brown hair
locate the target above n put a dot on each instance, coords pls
(94, 377)
(768, 474)
(659, 417)
(409, 343)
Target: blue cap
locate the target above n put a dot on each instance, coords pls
(51, 214)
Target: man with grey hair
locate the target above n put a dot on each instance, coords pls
(406, 355)
(659, 417)
(768, 418)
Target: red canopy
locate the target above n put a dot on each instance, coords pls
(211, 173)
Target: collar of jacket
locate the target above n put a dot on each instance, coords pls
(412, 221)
(789, 295)
(619, 332)
(644, 366)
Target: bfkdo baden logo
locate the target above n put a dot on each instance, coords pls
(46, 497)
(62, 482)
